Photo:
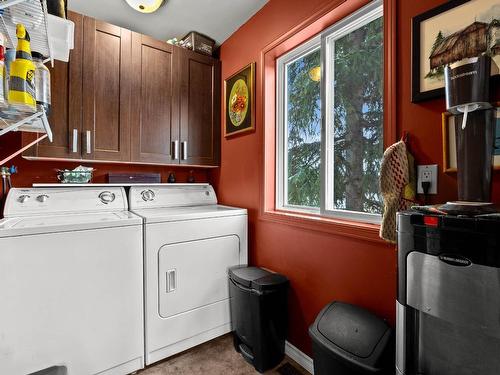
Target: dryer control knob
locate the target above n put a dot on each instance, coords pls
(42, 198)
(107, 197)
(148, 195)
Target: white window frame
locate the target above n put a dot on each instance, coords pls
(325, 41)
(282, 124)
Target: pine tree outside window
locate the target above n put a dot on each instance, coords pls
(330, 120)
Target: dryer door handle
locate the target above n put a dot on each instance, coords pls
(171, 278)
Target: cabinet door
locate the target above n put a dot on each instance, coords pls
(155, 108)
(106, 91)
(199, 77)
(65, 116)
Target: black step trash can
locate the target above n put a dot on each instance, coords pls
(259, 315)
(349, 340)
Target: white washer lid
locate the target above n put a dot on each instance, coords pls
(166, 214)
(22, 226)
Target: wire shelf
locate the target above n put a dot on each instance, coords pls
(36, 123)
(33, 15)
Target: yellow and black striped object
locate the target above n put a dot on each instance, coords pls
(22, 74)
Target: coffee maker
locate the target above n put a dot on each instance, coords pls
(468, 97)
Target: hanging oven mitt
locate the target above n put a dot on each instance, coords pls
(397, 186)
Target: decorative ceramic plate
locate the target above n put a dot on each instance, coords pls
(238, 102)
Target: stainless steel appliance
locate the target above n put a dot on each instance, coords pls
(448, 304)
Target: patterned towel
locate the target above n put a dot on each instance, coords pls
(397, 185)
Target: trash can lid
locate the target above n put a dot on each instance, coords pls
(351, 332)
(257, 278)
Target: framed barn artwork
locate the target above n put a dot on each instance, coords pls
(449, 33)
(239, 101)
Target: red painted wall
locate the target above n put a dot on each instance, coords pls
(322, 267)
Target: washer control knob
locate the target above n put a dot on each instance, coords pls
(148, 195)
(42, 198)
(23, 198)
(107, 197)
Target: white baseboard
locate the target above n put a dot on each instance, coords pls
(302, 359)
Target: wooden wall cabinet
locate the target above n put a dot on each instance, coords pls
(126, 97)
(155, 110)
(106, 91)
(200, 97)
(65, 117)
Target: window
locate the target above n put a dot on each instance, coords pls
(330, 120)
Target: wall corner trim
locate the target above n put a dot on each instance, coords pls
(302, 359)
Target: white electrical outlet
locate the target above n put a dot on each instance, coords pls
(427, 173)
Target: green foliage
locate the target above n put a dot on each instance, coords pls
(304, 174)
(437, 41)
(435, 73)
(439, 71)
(358, 119)
(304, 132)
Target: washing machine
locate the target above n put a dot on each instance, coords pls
(71, 283)
(190, 242)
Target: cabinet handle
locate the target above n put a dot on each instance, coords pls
(184, 150)
(171, 281)
(175, 145)
(74, 146)
(89, 141)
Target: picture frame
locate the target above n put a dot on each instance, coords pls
(433, 33)
(449, 142)
(239, 101)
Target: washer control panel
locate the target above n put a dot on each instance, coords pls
(42, 201)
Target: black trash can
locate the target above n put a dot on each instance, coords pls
(259, 315)
(349, 340)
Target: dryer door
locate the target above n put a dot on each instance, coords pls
(194, 274)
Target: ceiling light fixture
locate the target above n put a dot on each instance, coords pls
(145, 6)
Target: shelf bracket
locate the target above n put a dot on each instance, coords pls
(46, 126)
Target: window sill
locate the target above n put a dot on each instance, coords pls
(340, 227)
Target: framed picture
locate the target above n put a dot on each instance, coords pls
(449, 33)
(449, 142)
(239, 103)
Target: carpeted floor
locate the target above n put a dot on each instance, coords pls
(216, 357)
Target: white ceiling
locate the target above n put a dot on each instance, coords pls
(216, 18)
